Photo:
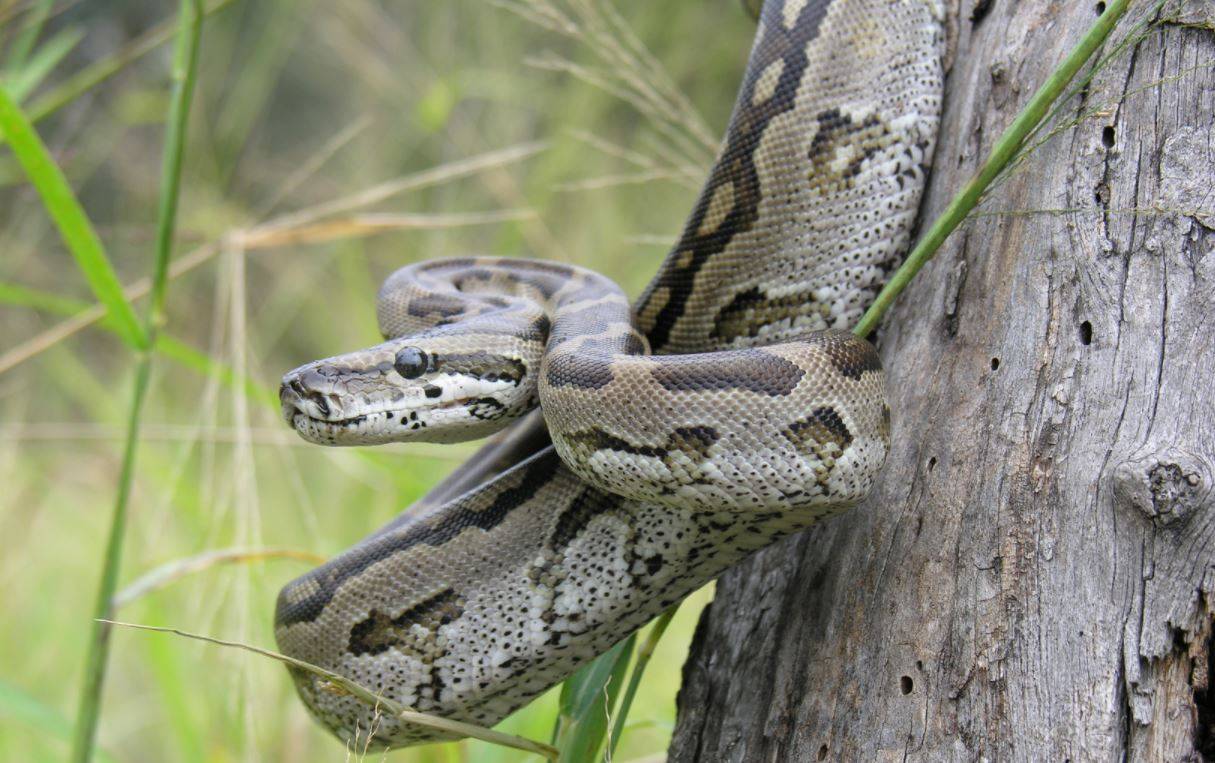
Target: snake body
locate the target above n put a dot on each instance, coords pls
(755, 417)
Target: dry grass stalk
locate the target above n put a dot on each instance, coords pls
(342, 684)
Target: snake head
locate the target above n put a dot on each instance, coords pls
(432, 389)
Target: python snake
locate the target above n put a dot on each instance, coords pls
(755, 416)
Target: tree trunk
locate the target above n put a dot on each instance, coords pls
(1032, 578)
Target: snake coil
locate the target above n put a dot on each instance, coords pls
(754, 416)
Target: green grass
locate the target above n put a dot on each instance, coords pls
(587, 698)
(353, 95)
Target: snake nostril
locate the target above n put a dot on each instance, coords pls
(319, 401)
(294, 392)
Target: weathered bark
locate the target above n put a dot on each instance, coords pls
(1032, 579)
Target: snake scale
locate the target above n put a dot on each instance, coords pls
(754, 416)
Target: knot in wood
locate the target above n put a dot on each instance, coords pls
(1167, 485)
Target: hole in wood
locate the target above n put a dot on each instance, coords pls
(822, 752)
(1107, 136)
(995, 364)
(1086, 333)
(932, 463)
(906, 684)
(1100, 8)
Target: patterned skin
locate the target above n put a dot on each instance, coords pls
(666, 470)
(481, 340)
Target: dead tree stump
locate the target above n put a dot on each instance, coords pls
(1032, 578)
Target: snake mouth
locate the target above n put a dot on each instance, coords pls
(294, 413)
(364, 429)
(375, 427)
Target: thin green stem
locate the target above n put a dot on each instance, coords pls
(184, 71)
(98, 650)
(185, 67)
(644, 653)
(1005, 151)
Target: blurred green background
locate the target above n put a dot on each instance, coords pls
(299, 104)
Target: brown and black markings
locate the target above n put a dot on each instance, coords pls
(693, 443)
(865, 135)
(483, 365)
(851, 359)
(442, 306)
(823, 425)
(303, 599)
(487, 409)
(627, 344)
(379, 631)
(753, 370)
(546, 284)
(588, 504)
(510, 319)
(592, 371)
(578, 323)
(824, 435)
(781, 42)
(752, 309)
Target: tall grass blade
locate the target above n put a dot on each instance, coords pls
(433, 176)
(185, 65)
(168, 346)
(22, 352)
(197, 360)
(16, 295)
(358, 226)
(587, 698)
(73, 225)
(644, 653)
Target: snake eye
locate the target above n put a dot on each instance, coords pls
(411, 362)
